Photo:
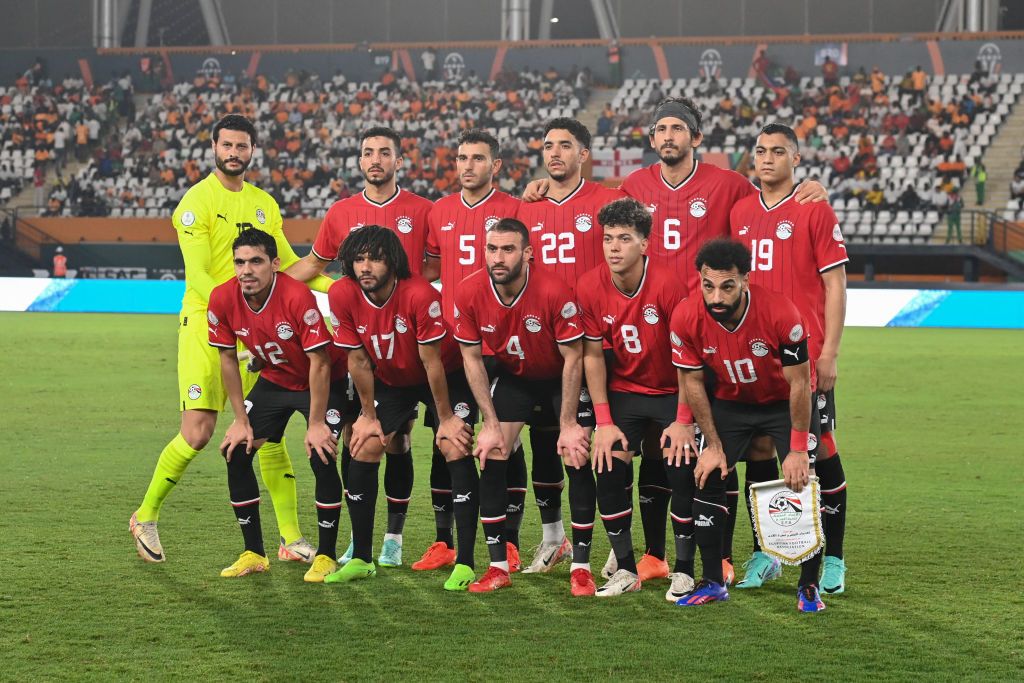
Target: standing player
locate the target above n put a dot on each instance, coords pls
(382, 203)
(798, 251)
(755, 342)
(565, 241)
(456, 230)
(530, 321)
(401, 355)
(277, 319)
(208, 219)
(626, 306)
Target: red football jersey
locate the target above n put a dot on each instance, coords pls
(748, 360)
(526, 333)
(791, 245)
(456, 234)
(635, 326)
(405, 213)
(687, 215)
(280, 333)
(391, 333)
(565, 235)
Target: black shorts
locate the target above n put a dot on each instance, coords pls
(270, 406)
(634, 413)
(396, 406)
(738, 423)
(537, 402)
(826, 403)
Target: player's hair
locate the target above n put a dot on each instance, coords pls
(235, 122)
(379, 243)
(254, 237)
(382, 132)
(480, 135)
(512, 225)
(723, 253)
(687, 104)
(575, 128)
(626, 213)
(776, 128)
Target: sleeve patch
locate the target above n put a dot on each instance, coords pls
(188, 219)
(796, 333)
(311, 317)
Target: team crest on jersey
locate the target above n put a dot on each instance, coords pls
(333, 417)
(401, 325)
(759, 348)
(188, 218)
(584, 222)
(698, 207)
(674, 338)
(784, 230)
(837, 233)
(461, 410)
(404, 224)
(284, 331)
(532, 323)
(491, 222)
(822, 401)
(212, 318)
(195, 391)
(311, 316)
(651, 314)
(797, 333)
(568, 310)
(260, 216)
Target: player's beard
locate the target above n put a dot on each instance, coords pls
(378, 284)
(222, 166)
(507, 276)
(673, 157)
(727, 314)
(377, 182)
(563, 172)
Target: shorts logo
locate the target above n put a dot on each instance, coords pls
(261, 217)
(797, 333)
(784, 230)
(311, 317)
(333, 417)
(435, 309)
(759, 348)
(212, 318)
(651, 314)
(584, 395)
(568, 310)
(188, 219)
(404, 224)
(461, 410)
(785, 508)
(532, 323)
(698, 207)
(584, 222)
(837, 233)
(284, 331)
(401, 325)
(195, 391)
(822, 401)
(674, 338)
(490, 222)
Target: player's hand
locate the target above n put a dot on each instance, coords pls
(364, 429)
(604, 438)
(252, 363)
(488, 441)
(455, 430)
(573, 445)
(240, 431)
(827, 370)
(536, 190)
(810, 191)
(320, 440)
(711, 458)
(796, 470)
(682, 443)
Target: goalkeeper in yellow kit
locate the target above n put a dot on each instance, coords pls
(207, 220)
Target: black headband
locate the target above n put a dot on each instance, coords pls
(679, 111)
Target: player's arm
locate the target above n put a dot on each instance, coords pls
(573, 441)
(450, 427)
(366, 426)
(319, 438)
(810, 191)
(195, 252)
(490, 438)
(308, 269)
(713, 456)
(240, 430)
(796, 466)
(835, 318)
(597, 384)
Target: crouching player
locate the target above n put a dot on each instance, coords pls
(276, 318)
(755, 342)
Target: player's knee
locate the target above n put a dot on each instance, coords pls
(451, 452)
(373, 451)
(399, 443)
(761, 449)
(198, 432)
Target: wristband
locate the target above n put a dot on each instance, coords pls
(798, 440)
(603, 414)
(683, 414)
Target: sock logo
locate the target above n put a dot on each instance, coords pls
(493, 540)
(245, 521)
(514, 508)
(615, 533)
(327, 524)
(583, 544)
(462, 497)
(440, 508)
(829, 510)
(704, 520)
(354, 497)
(542, 502)
(645, 500)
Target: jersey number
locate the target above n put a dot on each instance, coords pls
(466, 247)
(673, 238)
(741, 371)
(557, 248)
(631, 338)
(376, 340)
(762, 254)
(273, 353)
(514, 348)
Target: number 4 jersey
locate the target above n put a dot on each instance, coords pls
(281, 332)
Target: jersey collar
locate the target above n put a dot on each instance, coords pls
(682, 182)
(640, 287)
(387, 201)
(273, 285)
(479, 203)
(386, 301)
(519, 296)
(750, 302)
(760, 197)
(572, 194)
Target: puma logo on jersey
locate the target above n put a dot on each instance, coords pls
(610, 319)
(244, 332)
(744, 230)
(710, 350)
(487, 328)
(537, 228)
(448, 227)
(222, 217)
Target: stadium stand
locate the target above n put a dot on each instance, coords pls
(891, 156)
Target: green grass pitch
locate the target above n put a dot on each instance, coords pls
(930, 435)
